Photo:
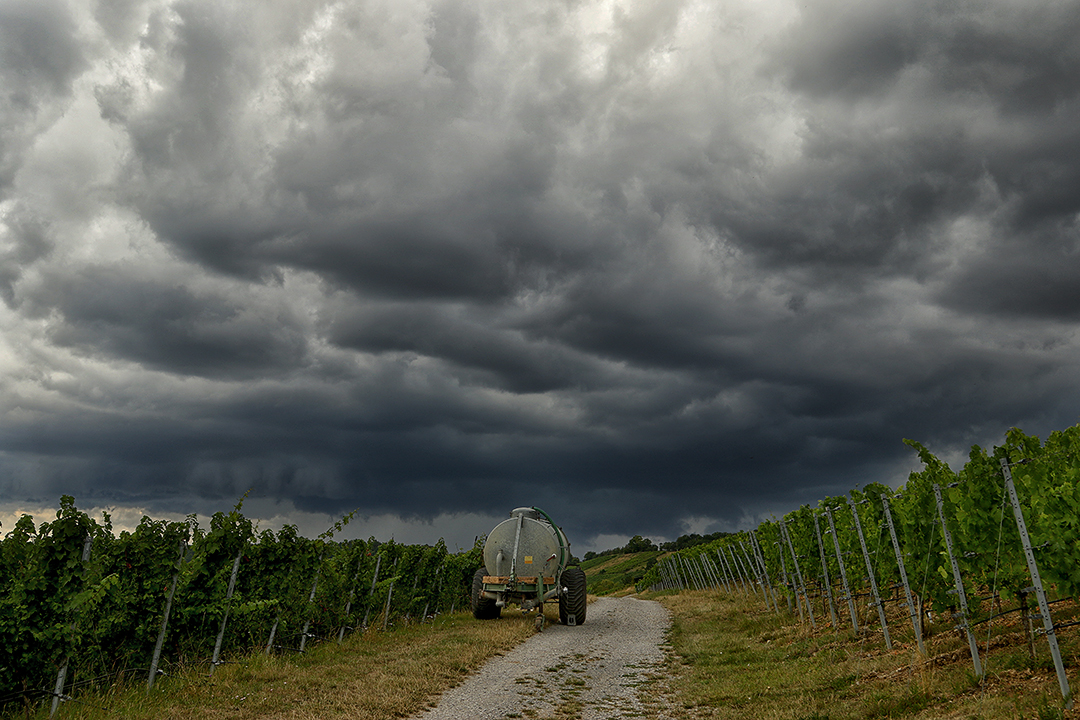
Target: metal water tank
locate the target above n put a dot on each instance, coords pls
(527, 544)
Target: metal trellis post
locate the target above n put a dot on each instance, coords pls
(756, 546)
(728, 575)
(1036, 580)
(798, 574)
(870, 574)
(972, 643)
(756, 572)
(721, 583)
(843, 570)
(165, 619)
(371, 593)
(228, 603)
(787, 583)
(352, 594)
(734, 562)
(390, 593)
(310, 601)
(915, 624)
(61, 676)
(703, 561)
(825, 573)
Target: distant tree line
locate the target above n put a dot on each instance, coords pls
(641, 544)
(688, 541)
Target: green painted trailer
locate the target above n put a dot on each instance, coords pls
(526, 564)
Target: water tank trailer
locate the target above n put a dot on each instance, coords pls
(525, 561)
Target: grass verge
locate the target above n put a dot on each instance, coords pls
(734, 659)
(373, 676)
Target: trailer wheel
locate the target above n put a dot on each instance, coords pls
(573, 602)
(482, 608)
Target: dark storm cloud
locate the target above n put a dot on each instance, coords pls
(27, 242)
(1021, 57)
(506, 359)
(171, 327)
(39, 57)
(40, 53)
(958, 100)
(642, 264)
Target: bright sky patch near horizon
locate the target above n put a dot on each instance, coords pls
(652, 266)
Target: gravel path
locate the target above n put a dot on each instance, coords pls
(594, 670)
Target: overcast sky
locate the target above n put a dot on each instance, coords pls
(653, 266)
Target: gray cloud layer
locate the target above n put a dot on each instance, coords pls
(632, 262)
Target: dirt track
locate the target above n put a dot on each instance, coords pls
(591, 671)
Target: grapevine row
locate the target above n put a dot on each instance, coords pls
(79, 603)
(946, 542)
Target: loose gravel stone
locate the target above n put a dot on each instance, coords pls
(592, 671)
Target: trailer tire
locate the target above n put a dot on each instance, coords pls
(482, 608)
(573, 602)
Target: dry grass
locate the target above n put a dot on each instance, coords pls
(734, 659)
(374, 676)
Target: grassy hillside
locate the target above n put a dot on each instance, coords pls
(617, 574)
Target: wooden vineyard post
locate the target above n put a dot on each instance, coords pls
(870, 574)
(843, 570)
(959, 581)
(825, 573)
(915, 623)
(1036, 580)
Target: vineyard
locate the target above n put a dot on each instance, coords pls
(81, 606)
(948, 553)
(964, 551)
